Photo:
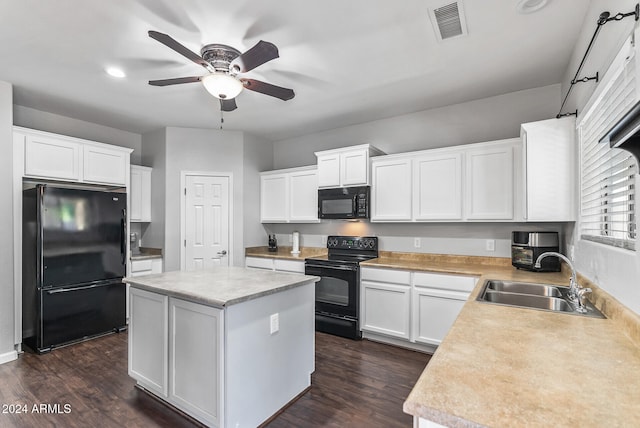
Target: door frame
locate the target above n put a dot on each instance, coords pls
(183, 200)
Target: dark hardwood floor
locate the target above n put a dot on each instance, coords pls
(356, 383)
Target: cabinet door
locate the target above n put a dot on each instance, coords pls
(135, 191)
(303, 200)
(196, 359)
(354, 168)
(274, 198)
(489, 183)
(148, 340)
(391, 190)
(549, 163)
(386, 308)
(140, 191)
(437, 193)
(52, 158)
(329, 170)
(434, 312)
(103, 165)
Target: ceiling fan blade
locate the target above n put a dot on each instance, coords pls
(171, 43)
(268, 89)
(228, 105)
(175, 81)
(259, 54)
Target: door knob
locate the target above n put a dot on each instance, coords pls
(223, 252)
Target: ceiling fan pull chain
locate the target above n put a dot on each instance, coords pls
(221, 119)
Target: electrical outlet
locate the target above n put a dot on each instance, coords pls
(572, 253)
(323, 240)
(490, 244)
(275, 323)
(416, 242)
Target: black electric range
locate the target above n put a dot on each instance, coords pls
(338, 291)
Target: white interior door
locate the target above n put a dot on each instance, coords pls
(206, 222)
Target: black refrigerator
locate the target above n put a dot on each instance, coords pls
(73, 262)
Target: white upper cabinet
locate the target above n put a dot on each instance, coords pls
(140, 191)
(345, 167)
(104, 165)
(289, 196)
(58, 157)
(51, 157)
(490, 181)
(391, 189)
(549, 155)
(274, 198)
(303, 197)
(437, 179)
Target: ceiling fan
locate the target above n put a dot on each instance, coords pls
(224, 63)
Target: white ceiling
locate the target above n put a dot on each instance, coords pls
(348, 61)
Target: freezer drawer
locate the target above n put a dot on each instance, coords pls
(74, 313)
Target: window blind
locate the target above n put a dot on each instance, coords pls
(607, 204)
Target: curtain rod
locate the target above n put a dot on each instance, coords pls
(602, 19)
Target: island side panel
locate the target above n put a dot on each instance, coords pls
(265, 371)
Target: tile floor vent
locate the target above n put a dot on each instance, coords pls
(449, 20)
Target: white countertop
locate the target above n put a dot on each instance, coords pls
(220, 286)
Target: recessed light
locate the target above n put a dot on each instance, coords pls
(115, 72)
(530, 6)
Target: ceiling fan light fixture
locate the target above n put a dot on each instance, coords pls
(222, 86)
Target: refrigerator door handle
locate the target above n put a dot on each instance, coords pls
(123, 242)
(65, 290)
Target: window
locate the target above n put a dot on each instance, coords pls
(608, 176)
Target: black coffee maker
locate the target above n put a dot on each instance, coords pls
(273, 243)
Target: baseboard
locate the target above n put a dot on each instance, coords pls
(427, 349)
(8, 356)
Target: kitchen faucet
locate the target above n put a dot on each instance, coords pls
(576, 293)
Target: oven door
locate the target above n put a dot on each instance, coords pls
(337, 290)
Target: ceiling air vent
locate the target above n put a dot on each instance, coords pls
(448, 20)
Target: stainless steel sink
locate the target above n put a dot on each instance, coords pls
(525, 288)
(533, 296)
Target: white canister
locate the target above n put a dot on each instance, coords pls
(295, 243)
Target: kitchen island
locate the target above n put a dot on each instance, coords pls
(228, 346)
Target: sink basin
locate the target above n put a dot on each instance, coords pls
(525, 288)
(528, 301)
(533, 296)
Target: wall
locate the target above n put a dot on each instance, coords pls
(258, 156)
(487, 119)
(44, 121)
(616, 271)
(205, 150)
(7, 325)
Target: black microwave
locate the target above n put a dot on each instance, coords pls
(344, 203)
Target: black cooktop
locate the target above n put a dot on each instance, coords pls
(349, 249)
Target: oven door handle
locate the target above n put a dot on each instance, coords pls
(348, 268)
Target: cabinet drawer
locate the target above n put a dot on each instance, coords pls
(289, 265)
(386, 275)
(141, 265)
(444, 281)
(259, 262)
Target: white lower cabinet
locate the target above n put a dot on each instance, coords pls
(175, 351)
(419, 307)
(386, 302)
(279, 265)
(196, 359)
(149, 340)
